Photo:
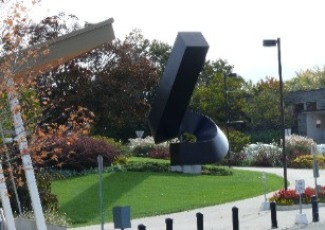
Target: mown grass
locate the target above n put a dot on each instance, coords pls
(151, 193)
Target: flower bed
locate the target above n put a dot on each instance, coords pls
(290, 197)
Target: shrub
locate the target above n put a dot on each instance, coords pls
(262, 159)
(236, 159)
(148, 167)
(120, 160)
(263, 154)
(285, 197)
(118, 145)
(215, 171)
(142, 150)
(306, 161)
(296, 146)
(83, 153)
(159, 152)
(164, 167)
(135, 142)
(143, 146)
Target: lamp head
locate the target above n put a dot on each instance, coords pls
(269, 42)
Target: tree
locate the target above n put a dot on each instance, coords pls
(308, 79)
(113, 82)
(212, 67)
(209, 96)
(264, 111)
(123, 87)
(159, 54)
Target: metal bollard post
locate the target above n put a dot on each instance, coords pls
(273, 215)
(315, 212)
(199, 221)
(235, 221)
(141, 227)
(169, 223)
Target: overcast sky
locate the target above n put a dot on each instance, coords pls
(234, 29)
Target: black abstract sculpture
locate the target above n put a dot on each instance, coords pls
(169, 117)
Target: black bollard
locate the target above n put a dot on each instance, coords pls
(273, 215)
(314, 205)
(199, 221)
(141, 227)
(169, 223)
(235, 220)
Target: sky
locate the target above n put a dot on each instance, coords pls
(234, 29)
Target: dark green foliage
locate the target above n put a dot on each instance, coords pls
(238, 140)
(49, 200)
(265, 135)
(147, 167)
(164, 167)
(215, 171)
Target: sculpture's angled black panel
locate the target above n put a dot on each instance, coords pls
(211, 144)
(176, 85)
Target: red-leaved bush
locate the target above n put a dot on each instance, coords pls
(83, 154)
(290, 197)
(79, 155)
(159, 152)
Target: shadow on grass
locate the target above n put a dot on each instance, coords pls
(84, 208)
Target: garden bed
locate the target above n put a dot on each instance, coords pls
(287, 200)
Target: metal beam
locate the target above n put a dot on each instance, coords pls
(62, 49)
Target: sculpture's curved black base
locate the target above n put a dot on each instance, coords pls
(211, 144)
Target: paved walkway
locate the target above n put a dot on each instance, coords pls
(251, 217)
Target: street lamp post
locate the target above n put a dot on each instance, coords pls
(270, 43)
(225, 76)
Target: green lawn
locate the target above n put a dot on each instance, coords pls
(153, 193)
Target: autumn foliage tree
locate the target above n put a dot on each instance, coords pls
(111, 84)
(14, 35)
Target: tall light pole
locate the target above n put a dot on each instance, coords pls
(270, 43)
(225, 77)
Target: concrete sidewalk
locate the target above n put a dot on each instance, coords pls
(251, 217)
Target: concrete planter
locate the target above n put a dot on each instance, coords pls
(296, 207)
(27, 224)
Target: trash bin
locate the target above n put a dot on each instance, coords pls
(121, 217)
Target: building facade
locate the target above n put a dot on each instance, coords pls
(308, 108)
